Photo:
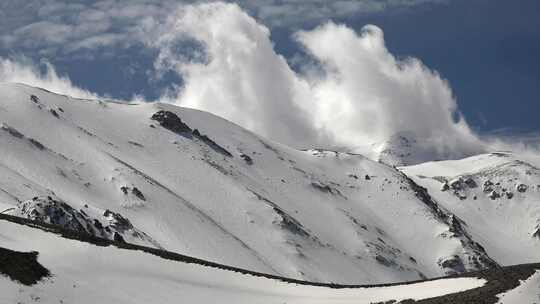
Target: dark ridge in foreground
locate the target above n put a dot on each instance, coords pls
(498, 279)
(22, 267)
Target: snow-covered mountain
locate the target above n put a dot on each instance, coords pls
(51, 264)
(497, 195)
(189, 182)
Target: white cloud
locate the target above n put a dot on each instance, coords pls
(352, 91)
(366, 94)
(244, 79)
(355, 94)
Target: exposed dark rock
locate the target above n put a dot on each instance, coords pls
(36, 144)
(98, 224)
(135, 191)
(326, 188)
(12, 131)
(124, 190)
(291, 224)
(509, 195)
(56, 212)
(118, 238)
(171, 121)
(218, 167)
(22, 267)
(494, 195)
(536, 233)
(367, 177)
(322, 187)
(34, 98)
(488, 186)
(135, 144)
(54, 113)
(469, 181)
(522, 188)
(445, 187)
(456, 184)
(247, 159)
(385, 261)
(212, 144)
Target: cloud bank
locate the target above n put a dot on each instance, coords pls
(350, 91)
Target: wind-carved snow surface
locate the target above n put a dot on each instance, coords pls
(85, 273)
(196, 184)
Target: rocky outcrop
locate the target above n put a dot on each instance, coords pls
(171, 121)
(473, 256)
(88, 220)
(22, 267)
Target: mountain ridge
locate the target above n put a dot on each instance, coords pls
(199, 185)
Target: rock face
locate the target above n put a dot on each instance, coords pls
(104, 224)
(522, 188)
(171, 121)
(474, 256)
(22, 267)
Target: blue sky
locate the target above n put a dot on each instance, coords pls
(486, 49)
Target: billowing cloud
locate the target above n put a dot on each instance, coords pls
(351, 90)
(365, 94)
(243, 79)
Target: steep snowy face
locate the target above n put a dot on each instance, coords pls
(498, 197)
(193, 183)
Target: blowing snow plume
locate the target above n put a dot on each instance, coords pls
(25, 71)
(348, 92)
(352, 93)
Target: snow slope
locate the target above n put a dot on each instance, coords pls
(86, 273)
(196, 184)
(527, 292)
(498, 197)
